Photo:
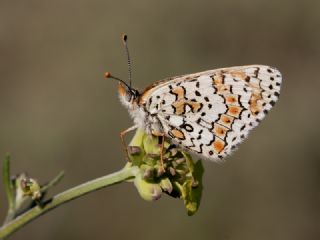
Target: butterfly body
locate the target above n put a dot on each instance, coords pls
(207, 113)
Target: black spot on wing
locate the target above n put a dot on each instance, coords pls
(150, 101)
(187, 127)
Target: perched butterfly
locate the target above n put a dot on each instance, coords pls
(207, 113)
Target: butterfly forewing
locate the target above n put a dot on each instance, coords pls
(211, 112)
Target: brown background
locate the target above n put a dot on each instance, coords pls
(58, 112)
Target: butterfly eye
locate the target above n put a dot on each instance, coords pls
(135, 93)
(129, 93)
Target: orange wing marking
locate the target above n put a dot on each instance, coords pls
(218, 145)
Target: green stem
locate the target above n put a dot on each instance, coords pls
(73, 193)
(9, 189)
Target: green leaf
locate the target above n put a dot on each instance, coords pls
(137, 143)
(151, 145)
(53, 182)
(8, 184)
(192, 188)
(137, 139)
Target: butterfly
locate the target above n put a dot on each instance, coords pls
(206, 113)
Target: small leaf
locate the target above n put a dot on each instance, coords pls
(137, 142)
(151, 145)
(52, 183)
(137, 139)
(8, 184)
(192, 188)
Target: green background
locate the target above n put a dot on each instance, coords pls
(58, 112)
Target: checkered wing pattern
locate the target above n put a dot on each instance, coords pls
(210, 113)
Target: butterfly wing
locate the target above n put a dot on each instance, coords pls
(211, 112)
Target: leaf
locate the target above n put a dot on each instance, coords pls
(8, 184)
(137, 143)
(192, 187)
(53, 182)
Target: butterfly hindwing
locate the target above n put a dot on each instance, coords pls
(210, 113)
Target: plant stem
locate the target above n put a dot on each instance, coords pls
(9, 189)
(68, 195)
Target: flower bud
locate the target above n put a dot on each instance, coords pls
(150, 145)
(148, 172)
(148, 191)
(166, 168)
(30, 187)
(134, 150)
(166, 185)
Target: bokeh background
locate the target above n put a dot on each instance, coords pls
(59, 113)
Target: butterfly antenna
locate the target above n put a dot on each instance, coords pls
(125, 40)
(108, 75)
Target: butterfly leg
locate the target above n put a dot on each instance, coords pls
(161, 153)
(124, 144)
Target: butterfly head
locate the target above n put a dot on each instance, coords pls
(127, 94)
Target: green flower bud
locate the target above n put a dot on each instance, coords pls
(151, 145)
(148, 191)
(148, 172)
(30, 187)
(166, 185)
(134, 150)
(174, 173)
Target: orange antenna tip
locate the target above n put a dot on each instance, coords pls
(107, 74)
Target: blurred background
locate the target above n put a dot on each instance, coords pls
(59, 113)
